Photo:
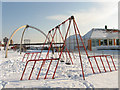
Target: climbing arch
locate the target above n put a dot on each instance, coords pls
(25, 28)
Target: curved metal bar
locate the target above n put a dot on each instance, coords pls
(22, 39)
(6, 49)
(28, 26)
(25, 27)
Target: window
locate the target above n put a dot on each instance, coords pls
(101, 41)
(110, 41)
(105, 42)
(93, 42)
(97, 42)
(117, 42)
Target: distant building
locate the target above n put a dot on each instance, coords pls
(98, 39)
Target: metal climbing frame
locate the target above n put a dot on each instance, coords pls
(106, 57)
(51, 34)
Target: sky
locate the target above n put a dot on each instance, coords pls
(46, 15)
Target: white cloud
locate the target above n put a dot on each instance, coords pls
(107, 14)
(57, 17)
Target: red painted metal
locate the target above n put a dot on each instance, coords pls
(108, 63)
(23, 57)
(57, 48)
(36, 61)
(40, 70)
(47, 54)
(73, 54)
(102, 64)
(24, 71)
(79, 51)
(32, 70)
(32, 55)
(113, 62)
(65, 45)
(48, 69)
(60, 53)
(84, 46)
(97, 64)
(106, 56)
(55, 70)
(62, 49)
(33, 66)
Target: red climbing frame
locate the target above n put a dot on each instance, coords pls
(106, 56)
(51, 34)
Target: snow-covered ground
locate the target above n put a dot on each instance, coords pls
(67, 76)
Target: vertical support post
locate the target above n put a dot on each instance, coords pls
(84, 46)
(62, 49)
(79, 50)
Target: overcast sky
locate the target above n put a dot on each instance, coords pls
(46, 15)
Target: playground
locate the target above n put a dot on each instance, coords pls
(59, 66)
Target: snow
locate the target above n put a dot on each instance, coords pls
(102, 33)
(67, 76)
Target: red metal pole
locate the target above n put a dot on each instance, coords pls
(55, 70)
(65, 37)
(28, 56)
(73, 54)
(33, 67)
(48, 69)
(40, 70)
(65, 45)
(113, 62)
(79, 50)
(63, 41)
(23, 57)
(43, 46)
(51, 43)
(55, 45)
(46, 55)
(108, 63)
(56, 48)
(102, 64)
(32, 55)
(97, 64)
(84, 46)
(62, 49)
(24, 70)
(40, 56)
(32, 70)
(69, 55)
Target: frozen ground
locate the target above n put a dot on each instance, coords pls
(67, 76)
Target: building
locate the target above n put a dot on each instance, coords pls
(98, 39)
